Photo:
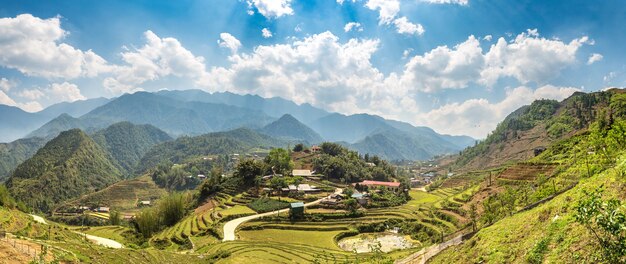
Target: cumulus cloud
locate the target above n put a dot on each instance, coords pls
(31, 94)
(595, 57)
(6, 84)
(34, 47)
(352, 25)
(527, 58)
(266, 33)
(488, 38)
(66, 92)
(318, 69)
(272, 8)
(32, 106)
(387, 9)
(229, 41)
(477, 117)
(158, 58)
(458, 2)
(403, 26)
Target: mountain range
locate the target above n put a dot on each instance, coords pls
(195, 112)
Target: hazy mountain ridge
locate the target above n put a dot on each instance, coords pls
(289, 128)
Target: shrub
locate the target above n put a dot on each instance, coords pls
(265, 204)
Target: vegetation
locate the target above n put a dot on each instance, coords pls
(264, 204)
(66, 167)
(167, 212)
(279, 161)
(289, 128)
(127, 143)
(340, 164)
(16, 152)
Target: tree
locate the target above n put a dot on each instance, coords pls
(348, 192)
(473, 216)
(606, 220)
(352, 205)
(280, 161)
(115, 218)
(298, 147)
(247, 170)
(277, 183)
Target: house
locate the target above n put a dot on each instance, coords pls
(315, 149)
(361, 198)
(144, 203)
(84, 208)
(370, 164)
(391, 186)
(296, 209)
(538, 150)
(128, 217)
(103, 209)
(307, 188)
(302, 173)
(201, 176)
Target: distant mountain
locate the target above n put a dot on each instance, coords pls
(170, 115)
(16, 152)
(15, 122)
(66, 167)
(388, 138)
(288, 127)
(127, 143)
(275, 106)
(240, 140)
(75, 109)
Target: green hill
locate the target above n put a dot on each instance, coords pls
(127, 143)
(537, 126)
(16, 152)
(239, 140)
(66, 167)
(288, 127)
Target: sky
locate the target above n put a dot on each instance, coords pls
(457, 66)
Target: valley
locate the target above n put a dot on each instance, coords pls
(269, 196)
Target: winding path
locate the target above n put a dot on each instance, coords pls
(95, 239)
(231, 226)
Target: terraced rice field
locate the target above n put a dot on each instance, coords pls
(527, 171)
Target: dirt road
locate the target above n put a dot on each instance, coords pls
(231, 226)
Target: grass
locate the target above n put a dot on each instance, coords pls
(110, 232)
(236, 210)
(323, 239)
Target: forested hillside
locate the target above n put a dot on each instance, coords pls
(66, 167)
(127, 143)
(235, 141)
(289, 128)
(16, 152)
(538, 125)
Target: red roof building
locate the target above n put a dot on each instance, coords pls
(392, 186)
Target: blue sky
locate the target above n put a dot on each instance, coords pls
(458, 66)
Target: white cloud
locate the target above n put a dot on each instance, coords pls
(272, 8)
(65, 92)
(28, 106)
(33, 46)
(159, 57)
(229, 41)
(6, 84)
(477, 117)
(341, 1)
(352, 25)
(488, 38)
(445, 68)
(317, 69)
(266, 33)
(31, 94)
(403, 26)
(297, 28)
(458, 2)
(388, 9)
(595, 57)
(527, 58)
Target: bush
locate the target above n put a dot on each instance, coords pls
(265, 204)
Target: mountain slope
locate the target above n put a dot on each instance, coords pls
(537, 126)
(16, 152)
(275, 106)
(66, 167)
(75, 109)
(288, 127)
(127, 143)
(168, 114)
(235, 141)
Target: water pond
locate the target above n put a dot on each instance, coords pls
(387, 242)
